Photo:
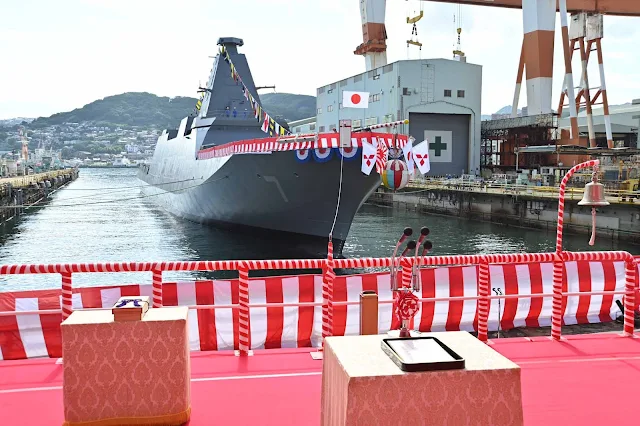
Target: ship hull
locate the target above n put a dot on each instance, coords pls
(275, 195)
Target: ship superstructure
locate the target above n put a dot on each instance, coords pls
(293, 192)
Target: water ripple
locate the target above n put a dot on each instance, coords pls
(137, 230)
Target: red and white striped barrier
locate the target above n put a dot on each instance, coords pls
(287, 311)
(324, 140)
(391, 124)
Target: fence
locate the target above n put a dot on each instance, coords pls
(287, 311)
(518, 189)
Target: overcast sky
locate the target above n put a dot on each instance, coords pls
(60, 55)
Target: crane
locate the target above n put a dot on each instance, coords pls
(536, 55)
(607, 7)
(374, 33)
(537, 51)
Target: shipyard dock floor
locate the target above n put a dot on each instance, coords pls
(584, 379)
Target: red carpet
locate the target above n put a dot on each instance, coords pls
(586, 380)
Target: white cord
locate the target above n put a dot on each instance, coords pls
(335, 218)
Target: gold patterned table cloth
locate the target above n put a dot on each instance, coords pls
(135, 372)
(362, 386)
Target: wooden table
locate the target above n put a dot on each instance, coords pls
(362, 386)
(126, 372)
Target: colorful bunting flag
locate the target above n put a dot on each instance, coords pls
(269, 125)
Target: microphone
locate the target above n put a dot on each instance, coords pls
(410, 246)
(426, 247)
(424, 231)
(415, 275)
(406, 233)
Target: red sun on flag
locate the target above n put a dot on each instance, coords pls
(355, 99)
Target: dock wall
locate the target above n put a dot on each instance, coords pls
(17, 194)
(619, 221)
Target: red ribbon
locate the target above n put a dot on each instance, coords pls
(406, 305)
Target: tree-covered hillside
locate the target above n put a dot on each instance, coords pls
(149, 110)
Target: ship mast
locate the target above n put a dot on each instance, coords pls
(206, 91)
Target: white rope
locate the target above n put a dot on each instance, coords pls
(335, 218)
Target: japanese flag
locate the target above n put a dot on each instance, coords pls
(355, 99)
(421, 157)
(368, 157)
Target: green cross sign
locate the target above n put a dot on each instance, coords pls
(438, 146)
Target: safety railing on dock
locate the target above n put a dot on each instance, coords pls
(551, 192)
(243, 306)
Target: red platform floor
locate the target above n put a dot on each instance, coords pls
(584, 380)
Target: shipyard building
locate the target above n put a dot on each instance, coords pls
(440, 97)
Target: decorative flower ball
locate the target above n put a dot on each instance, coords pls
(406, 305)
(395, 174)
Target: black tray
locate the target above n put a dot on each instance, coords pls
(456, 363)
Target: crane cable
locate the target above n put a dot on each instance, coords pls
(129, 187)
(120, 189)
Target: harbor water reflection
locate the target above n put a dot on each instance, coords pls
(102, 217)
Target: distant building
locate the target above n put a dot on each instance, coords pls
(132, 148)
(441, 98)
(625, 121)
(500, 116)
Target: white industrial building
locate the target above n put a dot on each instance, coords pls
(440, 97)
(625, 124)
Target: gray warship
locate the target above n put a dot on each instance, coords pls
(270, 195)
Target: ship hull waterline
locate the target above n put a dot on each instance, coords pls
(272, 196)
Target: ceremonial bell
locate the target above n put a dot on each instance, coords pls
(593, 195)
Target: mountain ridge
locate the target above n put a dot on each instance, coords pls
(149, 110)
(143, 109)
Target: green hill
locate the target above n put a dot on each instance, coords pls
(291, 107)
(149, 110)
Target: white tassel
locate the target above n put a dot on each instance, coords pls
(592, 241)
